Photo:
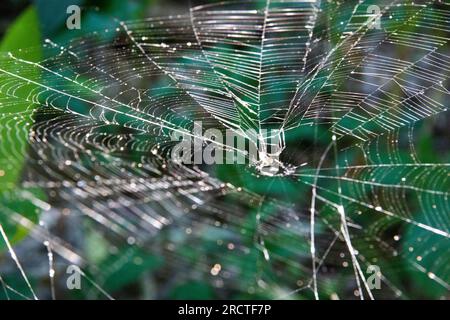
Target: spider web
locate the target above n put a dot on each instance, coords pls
(87, 176)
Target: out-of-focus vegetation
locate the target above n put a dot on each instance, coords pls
(132, 272)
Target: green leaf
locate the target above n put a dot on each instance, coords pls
(127, 267)
(15, 121)
(24, 33)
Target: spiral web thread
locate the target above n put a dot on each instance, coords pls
(85, 138)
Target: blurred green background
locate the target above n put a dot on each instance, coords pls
(27, 24)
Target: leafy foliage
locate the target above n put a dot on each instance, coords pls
(365, 187)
